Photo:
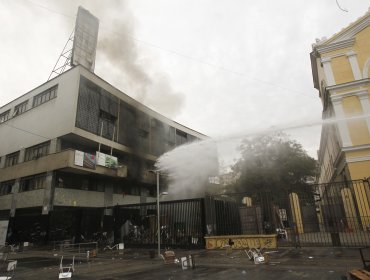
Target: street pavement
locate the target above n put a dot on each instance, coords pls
(284, 263)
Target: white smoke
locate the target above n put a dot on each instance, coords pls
(189, 168)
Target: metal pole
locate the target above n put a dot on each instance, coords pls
(101, 132)
(158, 218)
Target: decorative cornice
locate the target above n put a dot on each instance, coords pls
(335, 46)
(352, 30)
(325, 59)
(361, 82)
(361, 93)
(357, 159)
(356, 148)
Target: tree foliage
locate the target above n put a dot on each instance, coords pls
(273, 163)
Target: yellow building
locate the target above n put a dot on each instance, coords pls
(340, 69)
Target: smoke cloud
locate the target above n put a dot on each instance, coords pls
(132, 72)
(119, 61)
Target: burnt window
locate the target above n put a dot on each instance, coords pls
(107, 127)
(31, 183)
(37, 151)
(6, 187)
(11, 159)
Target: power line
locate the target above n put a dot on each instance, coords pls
(224, 69)
(50, 10)
(344, 10)
(301, 93)
(26, 131)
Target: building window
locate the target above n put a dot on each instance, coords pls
(37, 151)
(181, 137)
(4, 116)
(45, 96)
(20, 108)
(6, 187)
(31, 183)
(107, 125)
(11, 159)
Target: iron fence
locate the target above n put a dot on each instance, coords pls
(332, 214)
(181, 224)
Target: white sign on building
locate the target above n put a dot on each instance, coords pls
(85, 39)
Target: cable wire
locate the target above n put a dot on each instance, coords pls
(224, 69)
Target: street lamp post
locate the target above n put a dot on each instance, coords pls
(158, 214)
(158, 218)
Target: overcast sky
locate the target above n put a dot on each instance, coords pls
(220, 67)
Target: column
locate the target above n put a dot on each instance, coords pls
(108, 195)
(349, 209)
(54, 146)
(364, 99)
(47, 204)
(341, 122)
(326, 63)
(15, 191)
(354, 65)
(22, 153)
(296, 212)
(362, 200)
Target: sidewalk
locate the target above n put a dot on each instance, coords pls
(286, 263)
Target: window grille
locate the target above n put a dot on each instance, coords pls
(45, 96)
(4, 116)
(20, 108)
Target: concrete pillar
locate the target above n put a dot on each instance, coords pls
(22, 154)
(2, 161)
(296, 212)
(47, 204)
(144, 193)
(352, 57)
(15, 192)
(108, 196)
(53, 148)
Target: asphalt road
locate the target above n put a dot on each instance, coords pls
(312, 263)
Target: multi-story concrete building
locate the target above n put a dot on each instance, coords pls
(52, 180)
(340, 68)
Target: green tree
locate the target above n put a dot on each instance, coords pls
(273, 163)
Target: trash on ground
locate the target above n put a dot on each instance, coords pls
(65, 272)
(187, 262)
(255, 255)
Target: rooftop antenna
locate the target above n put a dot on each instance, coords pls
(344, 10)
(64, 60)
